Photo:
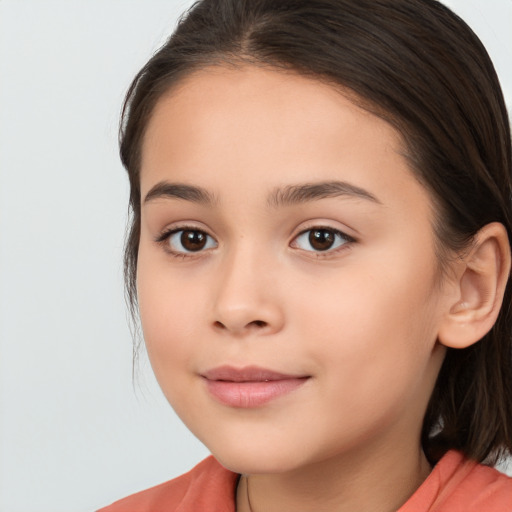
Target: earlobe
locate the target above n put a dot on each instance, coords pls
(483, 275)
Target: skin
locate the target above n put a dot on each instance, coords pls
(361, 320)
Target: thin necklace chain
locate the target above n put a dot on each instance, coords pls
(247, 493)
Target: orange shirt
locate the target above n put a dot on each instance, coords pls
(454, 485)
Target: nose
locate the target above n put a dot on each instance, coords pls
(246, 299)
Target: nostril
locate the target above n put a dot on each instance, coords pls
(240, 327)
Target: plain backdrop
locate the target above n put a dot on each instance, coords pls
(75, 432)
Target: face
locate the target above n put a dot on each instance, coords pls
(287, 280)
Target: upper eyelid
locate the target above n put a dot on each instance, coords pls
(320, 225)
(334, 230)
(170, 230)
(164, 237)
(328, 253)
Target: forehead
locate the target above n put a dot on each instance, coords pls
(262, 111)
(222, 123)
(248, 95)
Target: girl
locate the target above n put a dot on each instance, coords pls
(319, 253)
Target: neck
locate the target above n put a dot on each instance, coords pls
(376, 482)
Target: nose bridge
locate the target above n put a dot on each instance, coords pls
(245, 300)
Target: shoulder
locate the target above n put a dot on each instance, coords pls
(207, 487)
(482, 488)
(457, 484)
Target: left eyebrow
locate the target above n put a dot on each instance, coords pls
(296, 194)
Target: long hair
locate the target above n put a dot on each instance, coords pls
(421, 68)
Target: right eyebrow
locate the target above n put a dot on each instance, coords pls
(165, 189)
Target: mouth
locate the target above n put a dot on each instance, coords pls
(250, 386)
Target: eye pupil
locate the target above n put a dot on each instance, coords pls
(321, 239)
(193, 240)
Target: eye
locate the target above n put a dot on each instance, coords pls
(188, 240)
(321, 239)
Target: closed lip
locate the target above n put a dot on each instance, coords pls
(249, 386)
(247, 374)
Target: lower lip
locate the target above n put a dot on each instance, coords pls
(251, 394)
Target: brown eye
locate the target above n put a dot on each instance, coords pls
(321, 240)
(184, 241)
(193, 240)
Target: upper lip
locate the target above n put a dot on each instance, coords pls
(246, 374)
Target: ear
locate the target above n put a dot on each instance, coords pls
(482, 276)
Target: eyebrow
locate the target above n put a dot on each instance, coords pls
(164, 189)
(296, 194)
(286, 196)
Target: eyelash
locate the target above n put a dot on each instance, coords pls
(347, 241)
(165, 236)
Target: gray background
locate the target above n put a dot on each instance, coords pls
(74, 432)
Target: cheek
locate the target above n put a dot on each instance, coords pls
(169, 313)
(371, 323)
(372, 345)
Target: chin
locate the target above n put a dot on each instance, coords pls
(256, 459)
(254, 464)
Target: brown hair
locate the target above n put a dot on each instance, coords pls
(420, 67)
